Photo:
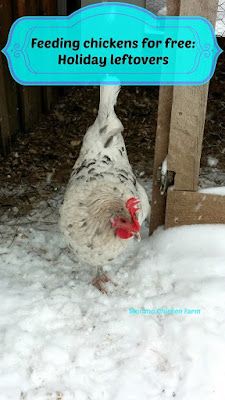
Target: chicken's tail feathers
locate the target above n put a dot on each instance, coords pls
(108, 100)
(107, 121)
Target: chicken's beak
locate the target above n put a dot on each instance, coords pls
(137, 236)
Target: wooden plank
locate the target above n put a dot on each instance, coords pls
(9, 118)
(50, 93)
(158, 203)
(5, 130)
(187, 208)
(48, 7)
(30, 106)
(62, 7)
(73, 6)
(173, 7)
(28, 7)
(30, 97)
(188, 115)
(186, 134)
(162, 140)
(205, 8)
(140, 3)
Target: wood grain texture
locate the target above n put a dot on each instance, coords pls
(62, 7)
(5, 131)
(9, 119)
(188, 115)
(186, 134)
(173, 7)
(48, 7)
(30, 98)
(158, 202)
(187, 208)
(205, 8)
(181, 120)
(50, 93)
(21, 106)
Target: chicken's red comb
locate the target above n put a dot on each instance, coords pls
(131, 204)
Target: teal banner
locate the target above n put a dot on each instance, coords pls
(111, 42)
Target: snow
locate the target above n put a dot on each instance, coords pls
(164, 167)
(163, 11)
(61, 339)
(220, 24)
(220, 191)
(212, 161)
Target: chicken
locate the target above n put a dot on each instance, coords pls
(104, 205)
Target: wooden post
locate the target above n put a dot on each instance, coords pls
(188, 115)
(73, 6)
(5, 131)
(181, 120)
(186, 133)
(9, 119)
(162, 140)
(30, 97)
(50, 93)
(62, 7)
(158, 203)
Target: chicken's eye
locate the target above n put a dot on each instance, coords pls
(123, 220)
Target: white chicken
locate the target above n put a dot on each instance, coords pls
(104, 205)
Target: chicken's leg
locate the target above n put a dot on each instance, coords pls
(100, 280)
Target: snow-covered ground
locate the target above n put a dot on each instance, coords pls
(159, 334)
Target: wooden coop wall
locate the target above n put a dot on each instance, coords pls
(21, 106)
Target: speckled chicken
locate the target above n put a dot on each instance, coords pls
(104, 205)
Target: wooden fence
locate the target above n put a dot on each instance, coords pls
(21, 106)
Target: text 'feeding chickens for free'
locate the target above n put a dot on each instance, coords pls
(109, 40)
